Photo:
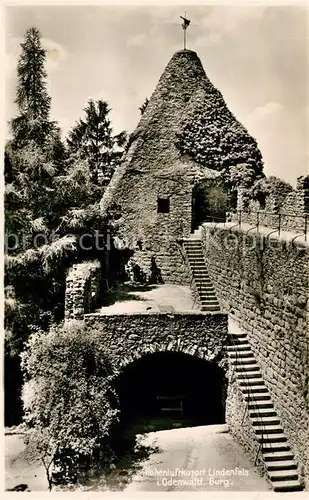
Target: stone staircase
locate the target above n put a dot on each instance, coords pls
(275, 451)
(207, 295)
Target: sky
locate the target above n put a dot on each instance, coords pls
(256, 55)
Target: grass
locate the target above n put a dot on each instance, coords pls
(124, 291)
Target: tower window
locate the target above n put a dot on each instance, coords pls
(163, 205)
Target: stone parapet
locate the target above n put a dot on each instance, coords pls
(82, 289)
(263, 285)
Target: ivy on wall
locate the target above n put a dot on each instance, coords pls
(213, 137)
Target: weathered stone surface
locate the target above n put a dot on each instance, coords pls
(82, 289)
(154, 168)
(294, 211)
(126, 335)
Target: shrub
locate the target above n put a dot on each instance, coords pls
(69, 404)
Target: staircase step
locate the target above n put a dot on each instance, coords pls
(283, 475)
(248, 375)
(265, 420)
(257, 405)
(281, 465)
(268, 429)
(242, 354)
(268, 448)
(209, 302)
(210, 308)
(238, 347)
(292, 485)
(239, 335)
(257, 396)
(272, 438)
(256, 388)
(237, 342)
(262, 412)
(277, 456)
(243, 361)
(251, 383)
(247, 367)
(209, 296)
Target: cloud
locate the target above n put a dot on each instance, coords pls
(263, 114)
(227, 21)
(137, 40)
(12, 55)
(55, 54)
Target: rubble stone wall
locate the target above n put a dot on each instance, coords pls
(130, 336)
(292, 216)
(82, 289)
(263, 284)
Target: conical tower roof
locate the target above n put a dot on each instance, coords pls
(152, 145)
(185, 135)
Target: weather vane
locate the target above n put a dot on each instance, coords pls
(185, 24)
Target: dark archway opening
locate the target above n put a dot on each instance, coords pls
(210, 202)
(165, 390)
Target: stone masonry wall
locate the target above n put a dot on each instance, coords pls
(292, 216)
(82, 289)
(130, 336)
(263, 284)
(240, 426)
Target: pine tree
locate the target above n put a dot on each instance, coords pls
(36, 153)
(92, 139)
(33, 122)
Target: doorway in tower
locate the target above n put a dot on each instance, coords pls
(168, 390)
(210, 202)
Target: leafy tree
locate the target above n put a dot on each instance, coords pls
(70, 406)
(92, 139)
(143, 107)
(50, 202)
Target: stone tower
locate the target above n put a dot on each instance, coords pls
(152, 188)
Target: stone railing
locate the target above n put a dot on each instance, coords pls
(82, 289)
(281, 221)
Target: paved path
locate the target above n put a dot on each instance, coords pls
(206, 457)
(18, 469)
(158, 298)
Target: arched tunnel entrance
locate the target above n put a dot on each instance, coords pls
(171, 389)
